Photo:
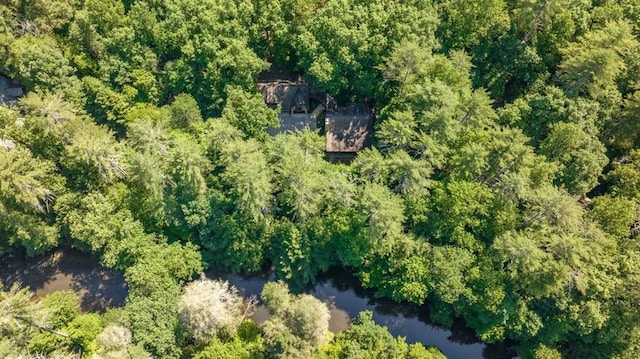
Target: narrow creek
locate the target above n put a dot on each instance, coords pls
(101, 288)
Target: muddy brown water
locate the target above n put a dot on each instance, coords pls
(66, 269)
(345, 298)
(100, 289)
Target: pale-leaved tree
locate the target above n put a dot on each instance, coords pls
(208, 307)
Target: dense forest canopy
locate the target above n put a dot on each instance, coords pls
(503, 184)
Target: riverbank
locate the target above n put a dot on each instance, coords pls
(345, 297)
(66, 269)
(100, 289)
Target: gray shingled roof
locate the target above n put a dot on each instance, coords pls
(290, 122)
(294, 122)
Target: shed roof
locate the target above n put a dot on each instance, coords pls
(349, 128)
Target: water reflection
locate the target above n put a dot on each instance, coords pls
(346, 298)
(66, 269)
(100, 289)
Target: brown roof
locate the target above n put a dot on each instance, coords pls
(349, 129)
(280, 75)
(293, 97)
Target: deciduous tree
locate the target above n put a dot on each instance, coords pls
(208, 308)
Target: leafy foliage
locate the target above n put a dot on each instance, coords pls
(365, 339)
(208, 307)
(502, 185)
(300, 324)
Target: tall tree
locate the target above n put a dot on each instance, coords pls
(39, 64)
(593, 63)
(248, 176)
(580, 157)
(249, 113)
(19, 313)
(28, 190)
(205, 53)
(463, 25)
(341, 45)
(624, 179)
(92, 156)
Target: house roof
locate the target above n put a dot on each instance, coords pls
(349, 128)
(290, 122)
(294, 122)
(293, 97)
(280, 75)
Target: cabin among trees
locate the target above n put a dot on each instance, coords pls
(293, 100)
(10, 91)
(348, 129)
